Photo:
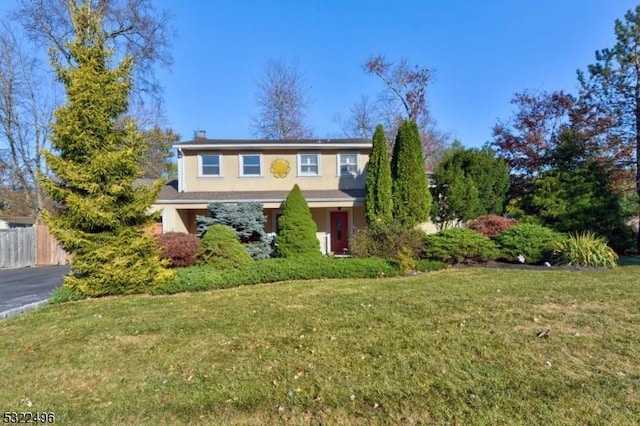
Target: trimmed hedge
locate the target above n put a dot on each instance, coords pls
(221, 249)
(535, 242)
(460, 245)
(200, 278)
(387, 241)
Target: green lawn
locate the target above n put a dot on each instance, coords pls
(457, 346)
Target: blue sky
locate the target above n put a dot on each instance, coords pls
(482, 52)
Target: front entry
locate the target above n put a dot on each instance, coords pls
(339, 232)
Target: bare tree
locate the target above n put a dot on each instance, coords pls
(132, 27)
(362, 120)
(25, 112)
(404, 98)
(282, 99)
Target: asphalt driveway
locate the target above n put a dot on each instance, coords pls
(24, 286)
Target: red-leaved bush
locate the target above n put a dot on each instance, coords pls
(179, 248)
(491, 225)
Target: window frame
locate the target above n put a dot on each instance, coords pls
(201, 173)
(241, 158)
(339, 164)
(300, 172)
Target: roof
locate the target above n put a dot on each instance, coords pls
(170, 193)
(18, 220)
(274, 144)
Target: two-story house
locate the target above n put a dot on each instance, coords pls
(330, 173)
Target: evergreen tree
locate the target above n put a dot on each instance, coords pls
(410, 194)
(95, 160)
(378, 203)
(296, 228)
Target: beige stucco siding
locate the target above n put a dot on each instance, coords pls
(232, 181)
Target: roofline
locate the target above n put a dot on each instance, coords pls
(254, 200)
(274, 145)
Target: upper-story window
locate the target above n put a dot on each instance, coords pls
(348, 164)
(210, 165)
(309, 164)
(250, 165)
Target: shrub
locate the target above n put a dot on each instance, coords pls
(405, 260)
(428, 265)
(534, 242)
(585, 250)
(386, 240)
(460, 245)
(65, 294)
(179, 248)
(491, 225)
(296, 228)
(246, 219)
(222, 250)
(200, 278)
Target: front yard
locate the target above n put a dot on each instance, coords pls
(457, 346)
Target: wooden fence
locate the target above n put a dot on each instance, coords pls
(34, 245)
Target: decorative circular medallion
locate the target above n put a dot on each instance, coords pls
(280, 168)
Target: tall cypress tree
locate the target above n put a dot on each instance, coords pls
(411, 196)
(95, 160)
(378, 203)
(296, 228)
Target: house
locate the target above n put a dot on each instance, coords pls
(330, 173)
(10, 222)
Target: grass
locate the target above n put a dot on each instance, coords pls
(457, 346)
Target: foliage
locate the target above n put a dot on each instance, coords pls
(200, 278)
(576, 195)
(491, 225)
(611, 90)
(468, 183)
(296, 236)
(96, 162)
(386, 240)
(460, 245)
(406, 260)
(65, 294)
(282, 99)
(179, 248)
(158, 159)
(586, 250)
(221, 249)
(534, 242)
(378, 203)
(247, 219)
(428, 265)
(410, 193)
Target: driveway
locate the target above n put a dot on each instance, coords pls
(20, 287)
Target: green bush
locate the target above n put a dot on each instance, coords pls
(585, 249)
(222, 250)
(428, 265)
(460, 245)
(199, 278)
(296, 229)
(65, 294)
(386, 241)
(534, 242)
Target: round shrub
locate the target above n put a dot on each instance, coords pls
(491, 225)
(179, 248)
(387, 240)
(586, 250)
(222, 249)
(460, 245)
(534, 242)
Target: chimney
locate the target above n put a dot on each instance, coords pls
(201, 134)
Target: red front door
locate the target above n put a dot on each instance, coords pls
(339, 232)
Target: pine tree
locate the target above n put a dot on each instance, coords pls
(378, 203)
(296, 228)
(95, 160)
(410, 194)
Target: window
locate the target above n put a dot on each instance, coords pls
(308, 164)
(250, 165)
(210, 165)
(348, 164)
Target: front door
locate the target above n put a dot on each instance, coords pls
(339, 232)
